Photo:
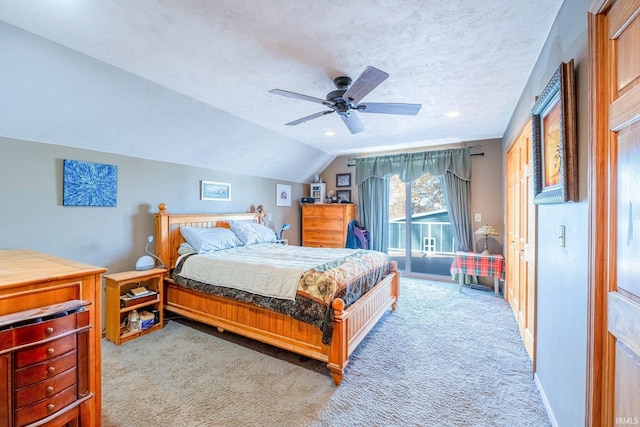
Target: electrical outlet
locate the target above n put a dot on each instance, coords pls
(478, 217)
(269, 216)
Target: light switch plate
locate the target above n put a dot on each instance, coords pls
(478, 217)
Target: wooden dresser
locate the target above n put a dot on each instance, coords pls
(50, 332)
(325, 225)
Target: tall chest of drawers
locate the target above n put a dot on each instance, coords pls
(325, 225)
(50, 335)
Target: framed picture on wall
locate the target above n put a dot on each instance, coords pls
(343, 180)
(89, 184)
(554, 140)
(219, 191)
(283, 195)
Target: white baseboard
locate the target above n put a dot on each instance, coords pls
(552, 418)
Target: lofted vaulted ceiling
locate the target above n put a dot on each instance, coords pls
(466, 58)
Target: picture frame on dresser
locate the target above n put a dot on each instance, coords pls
(343, 196)
(343, 180)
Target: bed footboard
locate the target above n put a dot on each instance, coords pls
(352, 325)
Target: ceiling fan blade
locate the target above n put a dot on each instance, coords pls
(300, 96)
(390, 108)
(352, 121)
(368, 81)
(307, 118)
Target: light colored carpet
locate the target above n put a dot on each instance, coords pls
(444, 358)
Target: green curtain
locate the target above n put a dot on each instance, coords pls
(373, 196)
(458, 200)
(411, 166)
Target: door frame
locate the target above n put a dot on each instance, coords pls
(598, 409)
(602, 160)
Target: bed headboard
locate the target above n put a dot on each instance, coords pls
(169, 239)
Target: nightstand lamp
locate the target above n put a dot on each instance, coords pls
(285, 227)
(147, 262)
(486, 231)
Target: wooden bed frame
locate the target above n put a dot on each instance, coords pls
(351, 325)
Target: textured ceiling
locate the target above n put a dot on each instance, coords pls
(468, 56)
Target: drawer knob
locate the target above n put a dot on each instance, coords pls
(50, 389)
(51, 369)
(51, 407)
(51, 350)
(49, 330)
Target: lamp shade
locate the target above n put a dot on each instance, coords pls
(487, 230)
(285, 227)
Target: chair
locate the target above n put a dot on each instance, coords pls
(362, 234)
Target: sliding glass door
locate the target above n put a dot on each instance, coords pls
(420, 234)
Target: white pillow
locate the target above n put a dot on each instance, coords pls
(209, 239)
(251, 232)
(185, 249)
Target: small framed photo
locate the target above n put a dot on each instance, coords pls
(555, 153)
(283, 195)
(219, 191)
(343, 180)
(343, 196)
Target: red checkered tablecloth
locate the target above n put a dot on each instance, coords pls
(478, 265)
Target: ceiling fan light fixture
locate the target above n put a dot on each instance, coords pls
(347, 97)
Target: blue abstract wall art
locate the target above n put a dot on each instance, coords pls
(89, 184)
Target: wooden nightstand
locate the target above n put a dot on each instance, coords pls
(119, 307)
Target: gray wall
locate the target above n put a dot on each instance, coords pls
(562, 272)
(33, 217)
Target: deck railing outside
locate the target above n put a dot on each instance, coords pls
(432, 238)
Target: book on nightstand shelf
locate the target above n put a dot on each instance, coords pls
(127, 300)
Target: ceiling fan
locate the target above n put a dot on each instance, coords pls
(346, 100)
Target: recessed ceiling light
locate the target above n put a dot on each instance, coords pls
(453, 114)
(329, 133)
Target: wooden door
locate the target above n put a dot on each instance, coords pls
(520, 285)
(614, 330)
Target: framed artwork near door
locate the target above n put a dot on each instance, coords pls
(554, 140)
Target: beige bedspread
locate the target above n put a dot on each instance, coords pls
(271, 270)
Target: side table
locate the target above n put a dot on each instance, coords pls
(478, 265)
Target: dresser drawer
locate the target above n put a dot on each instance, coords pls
(322, 237)
(44, 330)
(44, 370)
(45, 389)
(310, 211)
(46, 407)
(323, 224)
(45, 351)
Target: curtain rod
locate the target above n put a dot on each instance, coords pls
(350, 159)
